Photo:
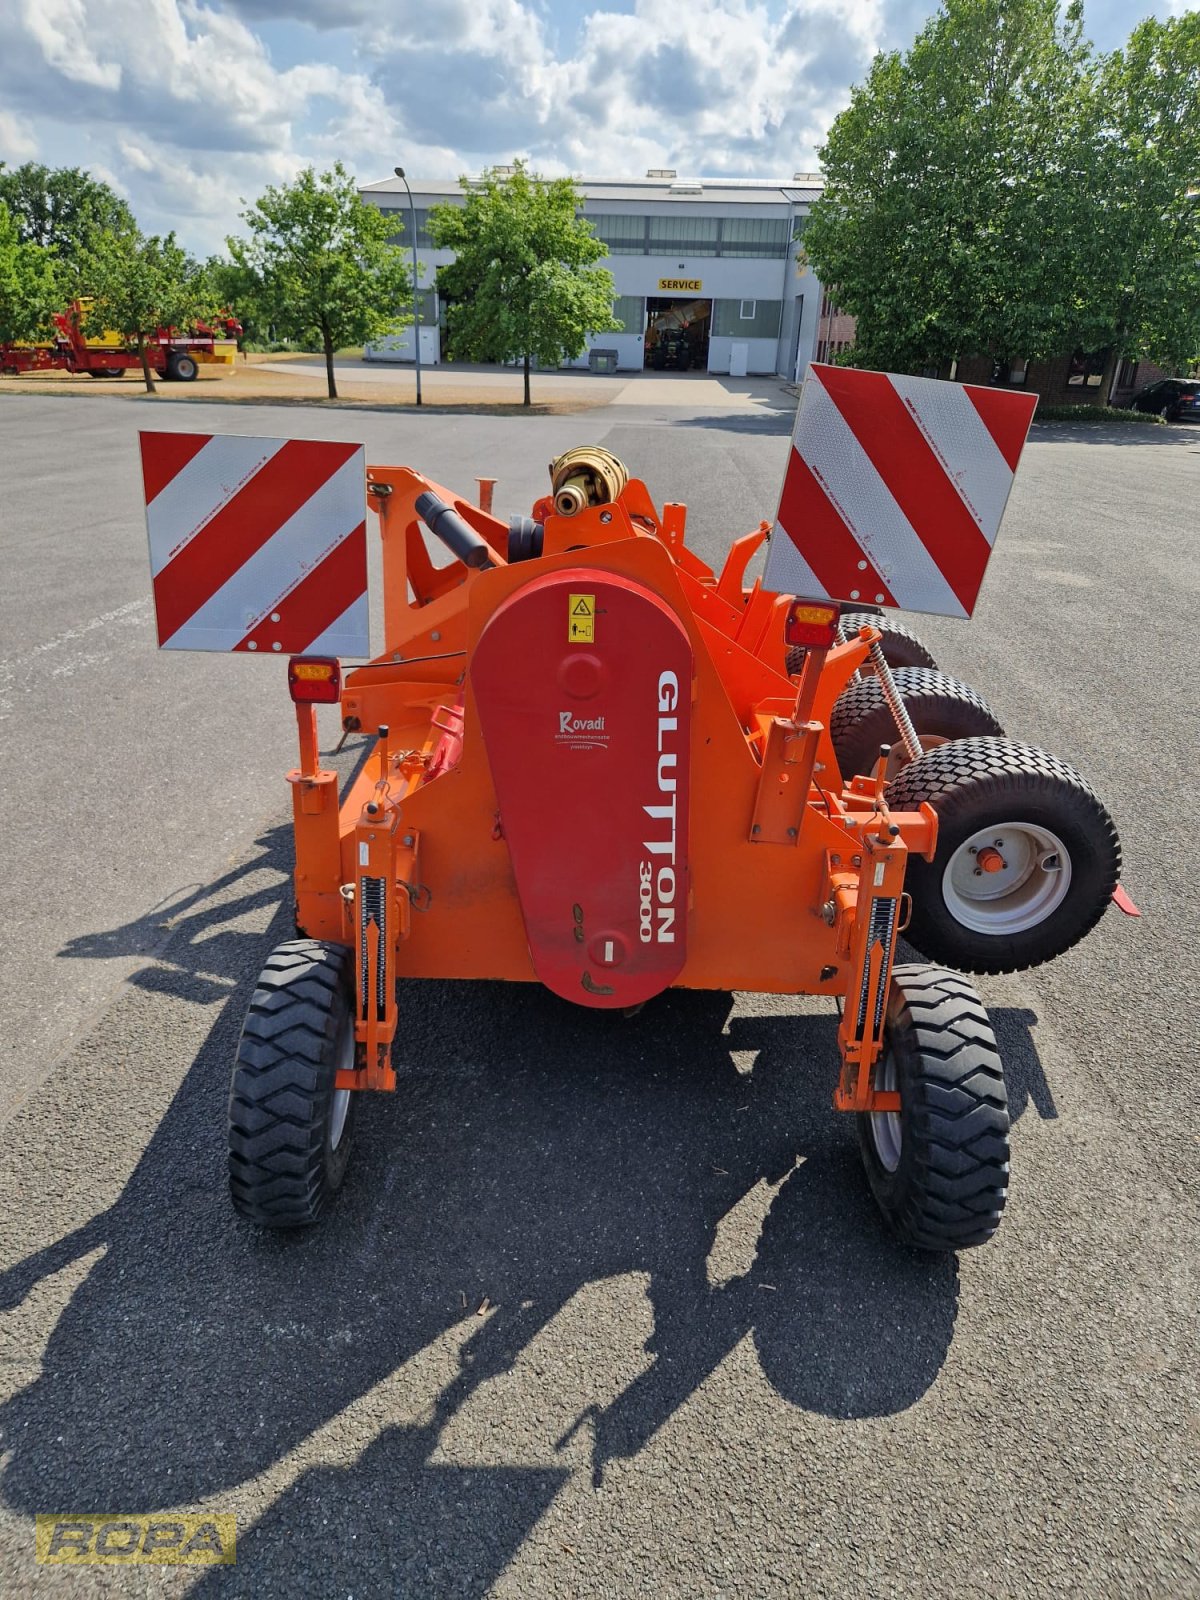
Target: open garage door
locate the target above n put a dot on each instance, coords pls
(677, 333)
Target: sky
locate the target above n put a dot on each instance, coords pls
(190, 108)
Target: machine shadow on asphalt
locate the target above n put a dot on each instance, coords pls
(533, 1150)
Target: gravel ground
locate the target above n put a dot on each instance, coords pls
(605, 1309)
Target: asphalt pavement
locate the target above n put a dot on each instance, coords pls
(605, 1309)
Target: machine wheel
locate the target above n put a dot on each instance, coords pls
(938, 1167)
(901, 647)
(106, 372)
(940, 706)
(181, 368)
(1027, 856)
(290, 1129)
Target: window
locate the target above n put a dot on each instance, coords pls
(631, 310)
(728, 320)
(690, 236)
(748, 310)
(755, 236)
(403, 221)
(624, 236)
(761, 237)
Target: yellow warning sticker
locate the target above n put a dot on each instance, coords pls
(581, 618)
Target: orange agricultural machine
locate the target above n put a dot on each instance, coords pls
(601, 766)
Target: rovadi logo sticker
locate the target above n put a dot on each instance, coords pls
(582, 733)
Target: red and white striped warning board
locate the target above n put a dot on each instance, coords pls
(257, 544)
(894, 489)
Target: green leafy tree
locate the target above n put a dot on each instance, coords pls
(321, 266)
(524, 284)
(1146, 225)
(30, 285)
(141, 284)
(956, 218)
(236, 289)
(63, 209)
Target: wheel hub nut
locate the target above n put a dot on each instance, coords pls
(991, 860)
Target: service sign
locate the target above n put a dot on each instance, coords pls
(680, 285)
(257, 545)
(894, 489)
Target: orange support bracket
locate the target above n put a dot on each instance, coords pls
(730, 585)
(789, 752)
(880, 866)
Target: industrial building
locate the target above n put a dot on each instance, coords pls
(708, 272)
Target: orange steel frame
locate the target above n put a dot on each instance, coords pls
(788, 861)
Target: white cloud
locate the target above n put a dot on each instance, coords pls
(193, 105)
(746, 87)
(18, 142)
(60, 28)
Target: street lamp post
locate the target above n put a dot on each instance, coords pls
(412, 212)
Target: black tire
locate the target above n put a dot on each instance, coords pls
(940, 707)
(181, 368)
(901, 647)
(106, 372)
(939, 1168)
(287, 1155)
(1020, 799)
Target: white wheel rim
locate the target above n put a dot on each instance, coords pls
(885, 1125)
(339, 1108)
(1030, 882)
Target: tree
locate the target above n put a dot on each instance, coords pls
(957, 213)
(523, 284)
(1147, 215)
(30, 286)
(321, 264)
(140, 284)
(236, 289)
(63, 209)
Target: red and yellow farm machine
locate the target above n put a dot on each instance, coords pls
(601, 766)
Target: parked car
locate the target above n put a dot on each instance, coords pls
(1176, 399)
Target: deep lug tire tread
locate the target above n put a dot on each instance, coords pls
(281, 1173)
(949, 1189)
(975, 783)
(901, 647)
(937, 703)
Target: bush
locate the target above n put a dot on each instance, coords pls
(1092, 414)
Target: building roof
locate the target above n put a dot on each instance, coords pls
(728, 191)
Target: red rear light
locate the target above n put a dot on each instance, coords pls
(316, 679)
(812, 622)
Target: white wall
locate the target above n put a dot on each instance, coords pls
(760, 353)
(629, 348)
(399, 347)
